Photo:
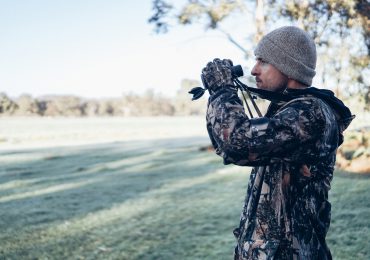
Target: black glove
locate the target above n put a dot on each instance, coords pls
(217, 75)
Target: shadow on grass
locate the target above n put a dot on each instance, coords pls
(185, 218)
(43, 199)
(113, 166)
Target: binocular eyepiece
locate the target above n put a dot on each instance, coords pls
(237, 71)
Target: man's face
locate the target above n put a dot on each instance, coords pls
(268, 77)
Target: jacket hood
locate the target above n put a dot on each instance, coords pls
(342, 112)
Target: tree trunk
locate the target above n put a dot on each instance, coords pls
(260, 21)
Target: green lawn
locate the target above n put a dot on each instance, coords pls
(158, 199)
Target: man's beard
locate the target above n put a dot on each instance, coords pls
(280, 87)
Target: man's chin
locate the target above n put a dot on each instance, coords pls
(260, 86)
(273, 89)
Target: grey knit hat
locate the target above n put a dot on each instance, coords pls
(291, 50)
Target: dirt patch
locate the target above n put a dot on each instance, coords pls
(354, 154)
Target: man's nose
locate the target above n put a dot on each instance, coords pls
(255, 70)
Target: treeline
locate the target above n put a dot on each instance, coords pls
(148, 104)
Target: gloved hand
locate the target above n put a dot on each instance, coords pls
(217, 74)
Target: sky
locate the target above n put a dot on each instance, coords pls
(99, 49)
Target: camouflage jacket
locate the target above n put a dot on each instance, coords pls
(286, 213)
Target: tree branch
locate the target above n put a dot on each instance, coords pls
(233, 41)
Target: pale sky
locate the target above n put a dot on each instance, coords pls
(96, 49)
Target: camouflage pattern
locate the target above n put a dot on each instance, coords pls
(286, 213)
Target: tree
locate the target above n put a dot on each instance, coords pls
(333, 24)
(7, 105)
(63, 106)
(27, 106)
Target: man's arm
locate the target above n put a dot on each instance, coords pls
(258, 141)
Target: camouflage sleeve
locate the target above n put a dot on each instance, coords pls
(258, 141)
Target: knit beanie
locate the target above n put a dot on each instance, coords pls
(292, 51)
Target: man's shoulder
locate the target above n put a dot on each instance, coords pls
(309, 103)
(309, 108)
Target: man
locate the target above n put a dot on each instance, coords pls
(292, 148)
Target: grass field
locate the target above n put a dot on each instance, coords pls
(156, 198)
